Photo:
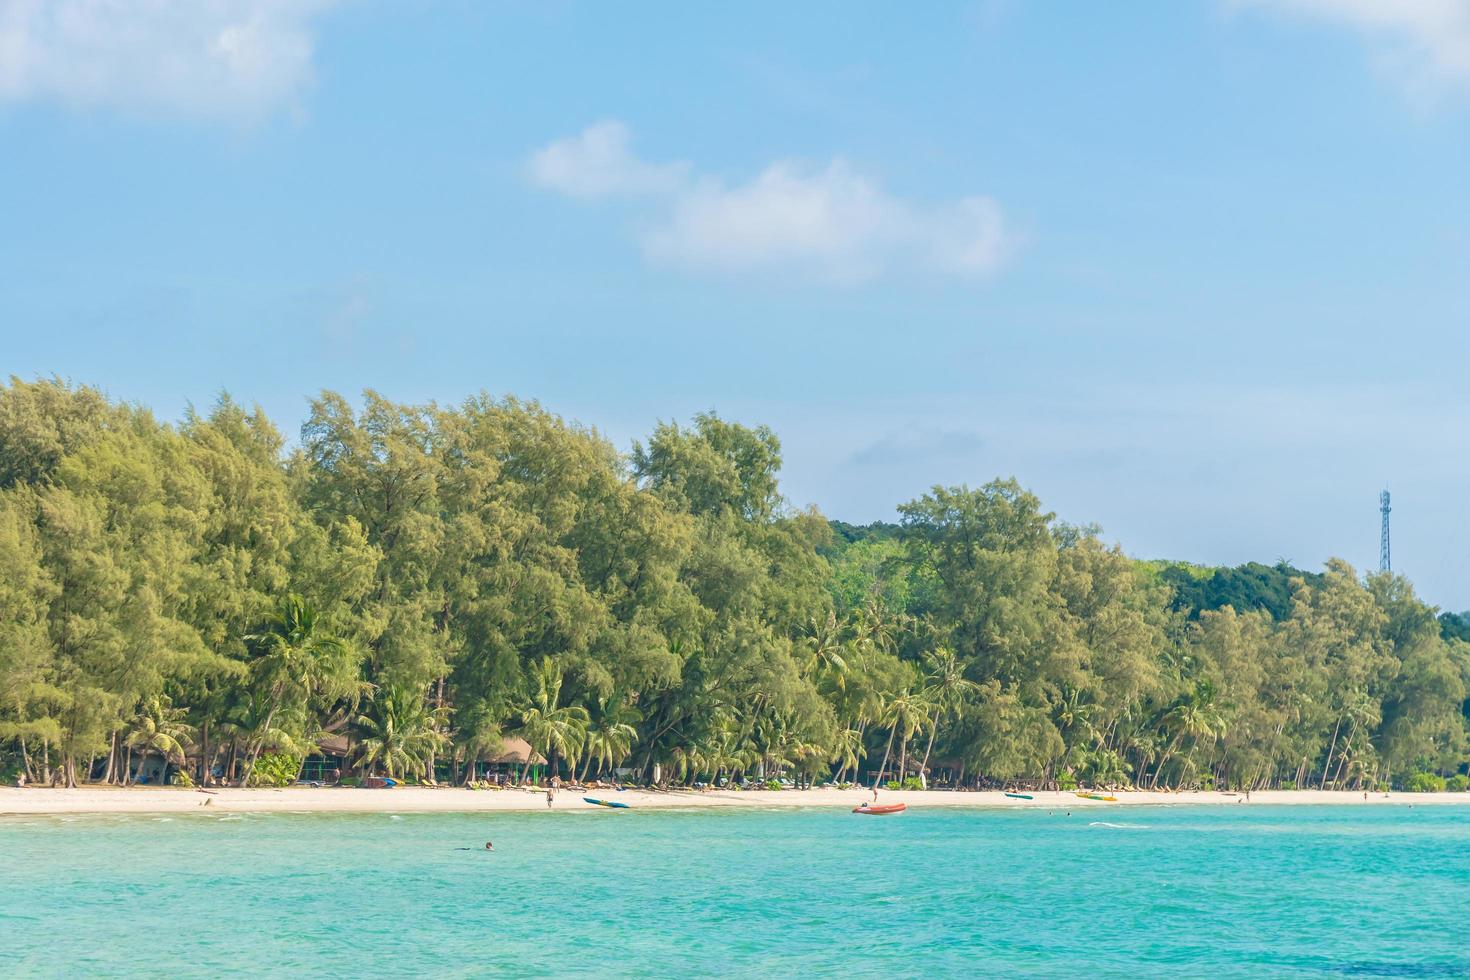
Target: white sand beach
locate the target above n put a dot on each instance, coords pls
(424, 799)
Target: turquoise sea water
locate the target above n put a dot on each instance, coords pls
(1167, 891)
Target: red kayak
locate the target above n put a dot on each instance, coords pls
(885, 808)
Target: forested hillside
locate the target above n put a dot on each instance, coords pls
(429, 580)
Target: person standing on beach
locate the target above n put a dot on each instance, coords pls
(875, 792)
(550, 792)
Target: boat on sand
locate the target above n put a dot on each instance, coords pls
(607, 803)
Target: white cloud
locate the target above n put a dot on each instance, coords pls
(599, 162)
(229, 58)
(829, 220)
(1425, 42)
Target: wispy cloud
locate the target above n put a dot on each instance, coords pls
(919, 445)
(1424, 43)
(830, 219)
(208, 58)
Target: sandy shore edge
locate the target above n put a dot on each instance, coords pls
(417, 799)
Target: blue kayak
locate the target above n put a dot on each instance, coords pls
(606, 803)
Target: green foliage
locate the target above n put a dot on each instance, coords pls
(1455, 626)
(275, 769)
(432, 582)
(912, 782)
(1425, 782)
(1245, 588)
(1458, 783)
(1066, 781)
(400, 733)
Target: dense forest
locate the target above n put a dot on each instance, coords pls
(427, 581)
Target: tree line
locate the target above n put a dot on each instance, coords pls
(428, 581)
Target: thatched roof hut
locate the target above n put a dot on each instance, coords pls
(516, 750)
(333, 744)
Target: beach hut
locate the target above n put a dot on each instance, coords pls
(329, 759)
(503, 765)
(507, 763)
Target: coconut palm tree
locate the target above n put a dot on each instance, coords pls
(608, 743)
(553, 732)
(903, 714)
(848, 751)
(251, 721)
(685, 762)
(909, 713)
(946, 688)
(1193, 717)
(727, 750)
(158, 727)
(825, 648)
(296, 657)
(609, 740)
(876, 628)
(1104, 767)
(1141, 741)
(400, 731)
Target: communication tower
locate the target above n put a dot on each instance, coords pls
(1383, 563)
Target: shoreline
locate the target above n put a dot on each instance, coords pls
(425, 799)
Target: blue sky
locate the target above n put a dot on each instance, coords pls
(1195, 271)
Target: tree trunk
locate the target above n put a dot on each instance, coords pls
(924, 766)
(429, 765)
(1322, 784)
(884, 766)
(469, 766)
(1168, 754)
(204, 753)
(111, 772)
(257, 746)
(1343, 758)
